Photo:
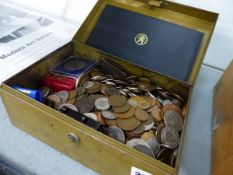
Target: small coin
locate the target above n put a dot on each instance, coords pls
(128, 124)
(128, 114)
(95, 88)
(143, 104)
(173, 119)
(132, 102)
(141, 146)
(116, 133)
(102, 104)
(156, 113)
(80, 91)
(117, 100)
(170, 137)
(64, 95)
(108, 115)
(122, 109)
(54, 101)
(141, 115)
(149, 123)
(91, 116)
(112, 91)
(88, 84)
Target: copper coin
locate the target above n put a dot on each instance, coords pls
(115, 133)
(173, 119)
(54, 101)
(156, 113)
(128, 124)
(128, 114)
(102, 104)
(122, 109)
(170, 137)
(149, 123)
(117, 100)
(141, 146)
(143, 104)
(100, 118)
(110, 122)
(108, 115)
(141, 115)
(171, 107)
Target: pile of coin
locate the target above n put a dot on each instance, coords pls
(134, 111)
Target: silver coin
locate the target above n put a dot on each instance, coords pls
(167, 102)
(70, 106)
(170, 137)
(112, 91)
(91, 116)
(132, 103)
(80, 91)
(88, 84)
(108, 115)
(173, 119)
(64, 95)
(154, 144)
(149, 126)
(98, 78)
(141, 146)
(115, 133)
(102, 104)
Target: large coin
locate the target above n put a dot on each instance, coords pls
(117, 100)
(102, 104)
(115, 133)
(141, 115)
(141, 146)
(170, 137)
(128, 124)
(173, 119)
(85, 104)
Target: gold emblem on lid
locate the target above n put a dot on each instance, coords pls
(141, 39)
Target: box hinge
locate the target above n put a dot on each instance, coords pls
(156, 3)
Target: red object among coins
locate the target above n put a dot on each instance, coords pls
(59, 83)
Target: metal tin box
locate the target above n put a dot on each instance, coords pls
(93, 149)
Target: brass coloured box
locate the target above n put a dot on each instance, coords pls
(95, 150)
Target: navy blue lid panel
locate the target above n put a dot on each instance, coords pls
(171, 49)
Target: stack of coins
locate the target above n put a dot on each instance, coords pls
(133, 111)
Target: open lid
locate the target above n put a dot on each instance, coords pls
(222, 154)
(165, 37)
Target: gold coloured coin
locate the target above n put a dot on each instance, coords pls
(156, 113)
(122, 109)
(126, 115)
(143, 104)
(128, 124)
(117, 100)
(141, 115)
